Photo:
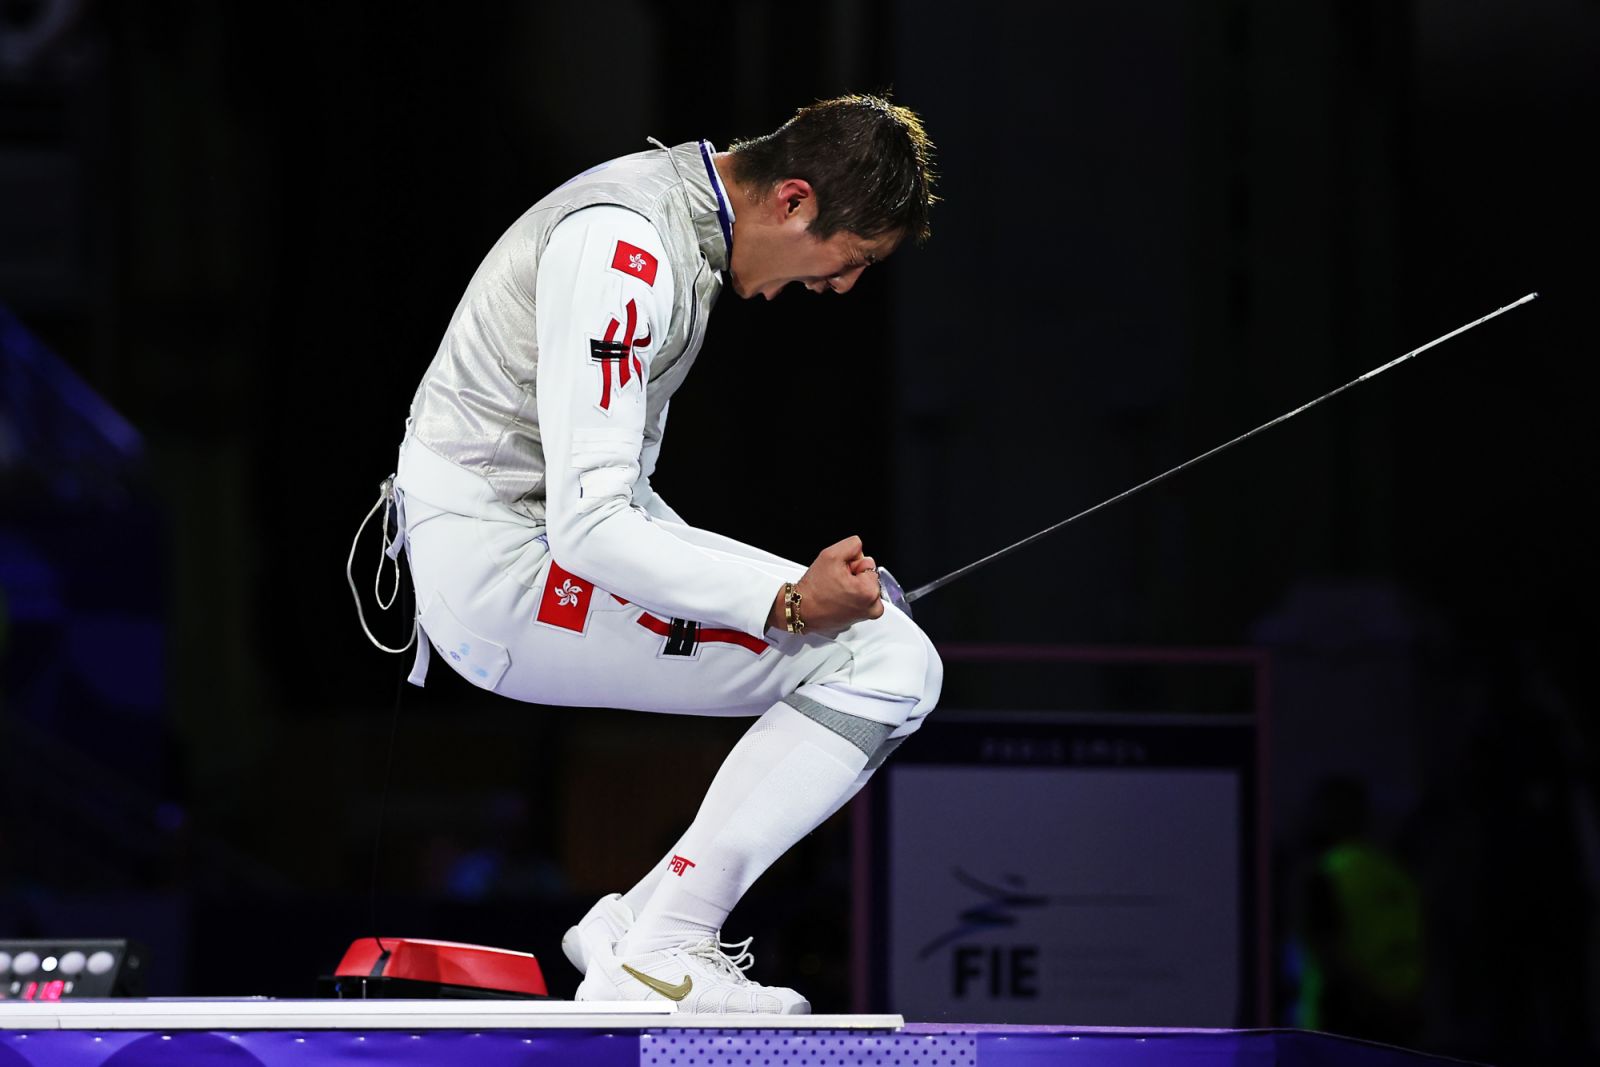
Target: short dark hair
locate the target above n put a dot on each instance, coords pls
(870, 162)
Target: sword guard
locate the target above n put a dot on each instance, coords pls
(889, 589)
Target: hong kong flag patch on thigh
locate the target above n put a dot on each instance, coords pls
(565, 603)
(634, 262)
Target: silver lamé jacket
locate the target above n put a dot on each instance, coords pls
(476, 405)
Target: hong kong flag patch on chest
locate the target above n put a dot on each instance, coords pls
(565, 603)
(634, 262)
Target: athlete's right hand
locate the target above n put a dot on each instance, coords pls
(839, 589)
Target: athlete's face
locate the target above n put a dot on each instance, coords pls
(778, 249)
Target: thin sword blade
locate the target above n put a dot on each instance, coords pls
(923, 590)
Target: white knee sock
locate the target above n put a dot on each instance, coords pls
(637, 897)
(784, 777)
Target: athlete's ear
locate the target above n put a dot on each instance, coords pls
(795, 199)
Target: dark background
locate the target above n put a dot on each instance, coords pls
(244, 228)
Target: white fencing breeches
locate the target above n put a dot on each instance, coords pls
(536, 633)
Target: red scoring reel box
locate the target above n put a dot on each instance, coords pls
(416, 967)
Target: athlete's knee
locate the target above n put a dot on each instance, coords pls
(893, 674)
(917, 667)
(932, 681)
(899, 656)
(928, 696)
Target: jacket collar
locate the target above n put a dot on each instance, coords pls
(701, 198)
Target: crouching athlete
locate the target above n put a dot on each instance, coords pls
(547, 568)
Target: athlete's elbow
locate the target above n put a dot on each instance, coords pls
(579, 542)
(567, 547)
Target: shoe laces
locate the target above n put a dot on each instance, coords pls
(745, 958)
(713, 952)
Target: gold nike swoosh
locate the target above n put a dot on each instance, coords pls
(671, 992)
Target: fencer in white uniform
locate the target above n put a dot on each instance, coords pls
(547, 569)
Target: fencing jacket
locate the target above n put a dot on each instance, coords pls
(552, 383)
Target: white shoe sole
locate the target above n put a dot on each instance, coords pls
(601, 986)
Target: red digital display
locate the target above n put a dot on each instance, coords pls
(48, 991)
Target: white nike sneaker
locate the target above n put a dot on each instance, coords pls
(700, 978)
(596, 934)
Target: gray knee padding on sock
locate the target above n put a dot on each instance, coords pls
(865, 734)
(875, 759)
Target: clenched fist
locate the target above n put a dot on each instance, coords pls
(840, 588)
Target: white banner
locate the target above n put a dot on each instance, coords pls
(1067, 895)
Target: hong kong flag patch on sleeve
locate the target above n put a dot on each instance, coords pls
(634, 262)
(565, 604)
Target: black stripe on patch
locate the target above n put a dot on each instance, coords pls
(682, 638)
